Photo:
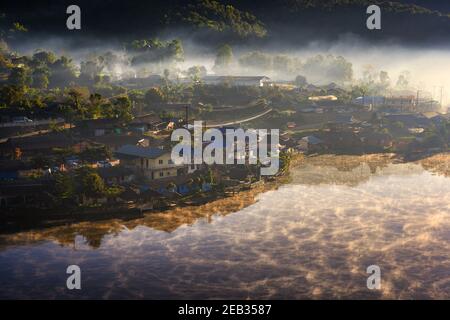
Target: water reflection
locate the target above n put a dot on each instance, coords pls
(311, 238)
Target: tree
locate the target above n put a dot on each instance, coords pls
(89, 182)
(64, 187)
(224, 58)
(301, 81)
(155, 51)
(5, 64)
(40, 77)
(176, 51)
(62, 73)
(113, 192)
(112, 62)
(122, 109)
(282, 64)
(154, 96)
(93, 184)
(403, 80)
(11, 96)
(328, 68)
(96, 154)
(95, 101)
(256, 60)
(20, 77)
(196, 72)
(43, 58)
(76, 99)
(90, 71)
(384, 82)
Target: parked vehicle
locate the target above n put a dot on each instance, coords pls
(21, 120)
(104, 164)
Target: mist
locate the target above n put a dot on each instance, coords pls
(428, 68)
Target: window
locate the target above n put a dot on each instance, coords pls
(170, 161)
(161, 174)
(168, 173)
(161, 161)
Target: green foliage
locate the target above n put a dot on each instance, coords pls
(113, 192)
(256, 60)
(40, 77)
(154, 96)
(331, 68)
(62, 73)
(122, 109)
(89, 183)
(224, 58)
(43, 58)
(20, 77)
(213, 15)
(65, 187)
(155, 51)
(301, 81)
(90, 71)
(196, 72)
(96, 154)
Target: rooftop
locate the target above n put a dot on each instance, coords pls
(239, 78)
(312, 140)
(140, 152)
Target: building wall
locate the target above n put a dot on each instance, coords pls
(159, 168)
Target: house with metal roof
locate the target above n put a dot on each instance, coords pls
(152, 162)
(258, 81)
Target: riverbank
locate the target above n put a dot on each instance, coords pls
(188, 212)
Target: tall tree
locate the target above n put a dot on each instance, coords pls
(224, 58)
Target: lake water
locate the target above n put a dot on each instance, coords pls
(312, 238)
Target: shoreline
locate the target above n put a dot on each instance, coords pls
(218, 203)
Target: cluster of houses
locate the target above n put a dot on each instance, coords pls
(400, 103)
(139, 153)
(156, 80)
(140, 163)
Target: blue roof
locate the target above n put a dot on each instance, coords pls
(141, 152)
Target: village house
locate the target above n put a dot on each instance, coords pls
(154, 163)
(410, 121)
(114, 142)
(99, 127)
(11, 170)
(25, 193)
(142, 83)
(370, 101)
(26, 147)
(310, 144)
(258, 81)
(342, 121)
(375, 142)
(116, 175)
(147, 122)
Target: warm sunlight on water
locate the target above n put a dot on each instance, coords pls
(312, 238)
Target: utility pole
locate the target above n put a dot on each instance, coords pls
(417, 101)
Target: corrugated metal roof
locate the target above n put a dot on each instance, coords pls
(141, 152)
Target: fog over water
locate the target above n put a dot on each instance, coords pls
(311, 238)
